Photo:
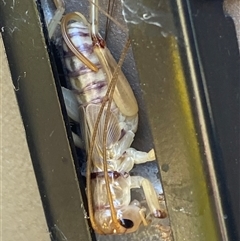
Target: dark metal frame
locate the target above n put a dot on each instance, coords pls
(193, 106)
(45, 120)
(190, 80)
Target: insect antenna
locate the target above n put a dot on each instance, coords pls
(107, 118)
(108, 98)
(110, 11)
(118, 228)
(75, 16)
(89, 166)
(125, 29)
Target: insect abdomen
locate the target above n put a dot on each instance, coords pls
(90, 86)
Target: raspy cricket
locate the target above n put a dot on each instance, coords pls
(107, 111)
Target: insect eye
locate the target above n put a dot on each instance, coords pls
(126, 223)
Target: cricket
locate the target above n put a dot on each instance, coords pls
(102, 101)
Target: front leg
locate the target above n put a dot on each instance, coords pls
(132, 156)
(140, 157)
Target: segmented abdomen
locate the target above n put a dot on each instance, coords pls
(90, 87)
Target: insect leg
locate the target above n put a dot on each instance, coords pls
(150, 194)
(142, 213)
(132, 156)
(122, 89)
(60, 5)
(77, 141)
(123, 93)
(72, 108)
(141, 156)
(71, 104)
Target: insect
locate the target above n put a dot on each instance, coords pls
(109, 117)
